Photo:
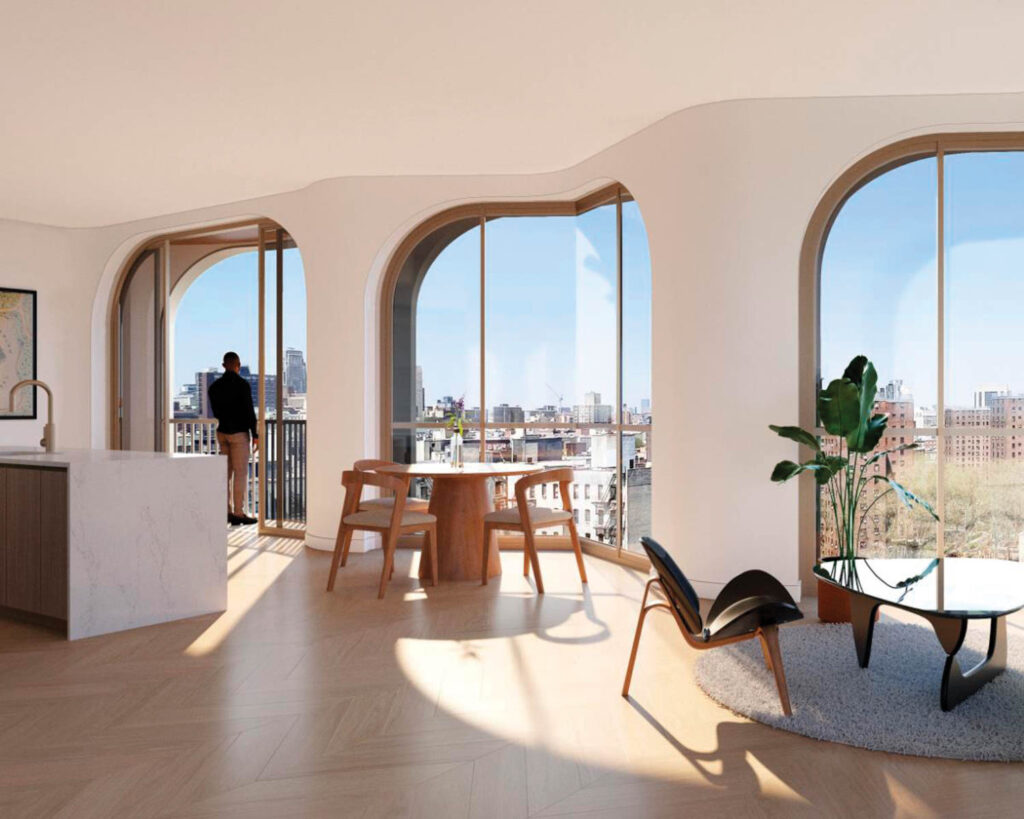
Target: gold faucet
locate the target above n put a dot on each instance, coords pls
(49, 439)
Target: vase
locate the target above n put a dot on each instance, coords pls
(456, 450)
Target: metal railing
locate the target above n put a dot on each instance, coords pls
(198, 436)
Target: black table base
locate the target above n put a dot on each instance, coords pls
(957, 685)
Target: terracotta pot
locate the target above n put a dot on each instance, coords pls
(834, 604)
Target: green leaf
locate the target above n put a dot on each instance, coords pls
(909, 498)
(867, 437)
(828, 465)
(784, 470)
(798, 435)
(893, 451)
(839, 408)
(855, 369)
(823, 467)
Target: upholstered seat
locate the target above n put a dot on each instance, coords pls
(381, 518)
(538, 517)
(752, 605)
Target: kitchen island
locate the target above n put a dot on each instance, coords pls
(95, 541)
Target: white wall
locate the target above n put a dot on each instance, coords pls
(726, 191)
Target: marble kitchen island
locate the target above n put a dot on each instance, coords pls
(104, 540)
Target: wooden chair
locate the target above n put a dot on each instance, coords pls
(525, 518)
(371, 465)
(389, 523)
(752, 604)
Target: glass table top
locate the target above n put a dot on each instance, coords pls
(962, 587)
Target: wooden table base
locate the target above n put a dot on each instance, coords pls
(460, 505)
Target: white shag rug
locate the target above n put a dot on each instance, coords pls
(893, 705)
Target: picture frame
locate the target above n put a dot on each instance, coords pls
(18, 350)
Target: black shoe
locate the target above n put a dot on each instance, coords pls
(236, 520)
(245, 520)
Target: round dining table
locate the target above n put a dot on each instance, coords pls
(459, 500)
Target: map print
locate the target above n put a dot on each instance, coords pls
(17, 349)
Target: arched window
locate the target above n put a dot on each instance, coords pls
(922, 270)
(536, 322)
(183, 301)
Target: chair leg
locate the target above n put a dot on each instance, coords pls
(344, 534)
(575, 538)
(764, 651)
(346, 544)
(430, 541)
(636, 640)
(487, 554)
(532, 549)
(389, 558)
(526, 557)
(771, 641)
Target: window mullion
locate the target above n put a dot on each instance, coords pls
(940, 400)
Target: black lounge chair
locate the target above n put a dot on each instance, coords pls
(752, 604)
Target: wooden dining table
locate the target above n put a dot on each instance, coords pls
(459, 500)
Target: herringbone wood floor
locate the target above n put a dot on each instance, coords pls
(459, 701)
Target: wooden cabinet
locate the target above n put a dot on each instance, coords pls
(34, 541)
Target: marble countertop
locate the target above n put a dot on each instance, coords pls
(35, 456)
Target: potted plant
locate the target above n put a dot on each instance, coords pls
(846, 411)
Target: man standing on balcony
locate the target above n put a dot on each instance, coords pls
(231, 402)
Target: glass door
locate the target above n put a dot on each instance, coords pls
(281, 460)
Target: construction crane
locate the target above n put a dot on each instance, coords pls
(556, 394)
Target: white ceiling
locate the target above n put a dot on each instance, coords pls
(115, 110)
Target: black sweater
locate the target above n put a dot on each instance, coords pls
(231, 402)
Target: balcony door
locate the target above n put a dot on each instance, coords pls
(282, 450)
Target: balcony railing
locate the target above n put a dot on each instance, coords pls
(285, 488)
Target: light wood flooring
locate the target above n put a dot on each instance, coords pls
(459, 701)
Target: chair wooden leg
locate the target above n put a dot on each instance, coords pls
(575, 538)
(345, 545)
(771, 640)
(486, 553)
(389, 558)
(764, 651)
(636, 640)
(339, 547)
(531, 547)
(526, 557)
(430, 541)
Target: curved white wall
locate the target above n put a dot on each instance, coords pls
(726, 192)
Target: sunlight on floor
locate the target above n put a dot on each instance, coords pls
(254, 563)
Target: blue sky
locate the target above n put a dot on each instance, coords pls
(550, 312)
(219, 312)
(879, 279)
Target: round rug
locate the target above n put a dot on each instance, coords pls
(893, 705)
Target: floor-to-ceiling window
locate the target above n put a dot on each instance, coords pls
(923, 272)
(536, 327)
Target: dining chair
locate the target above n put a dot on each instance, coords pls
(373, 464)
(388, 523)
(526, 519)
(751, 605)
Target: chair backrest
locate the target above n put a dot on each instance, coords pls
(680, 593)
(563, 476)
(370, 464)
(353, 480)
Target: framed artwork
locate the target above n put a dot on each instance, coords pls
(17, 350)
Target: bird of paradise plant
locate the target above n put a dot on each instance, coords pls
(846, 410)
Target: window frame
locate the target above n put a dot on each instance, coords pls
(856, 176)
(612, 194)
